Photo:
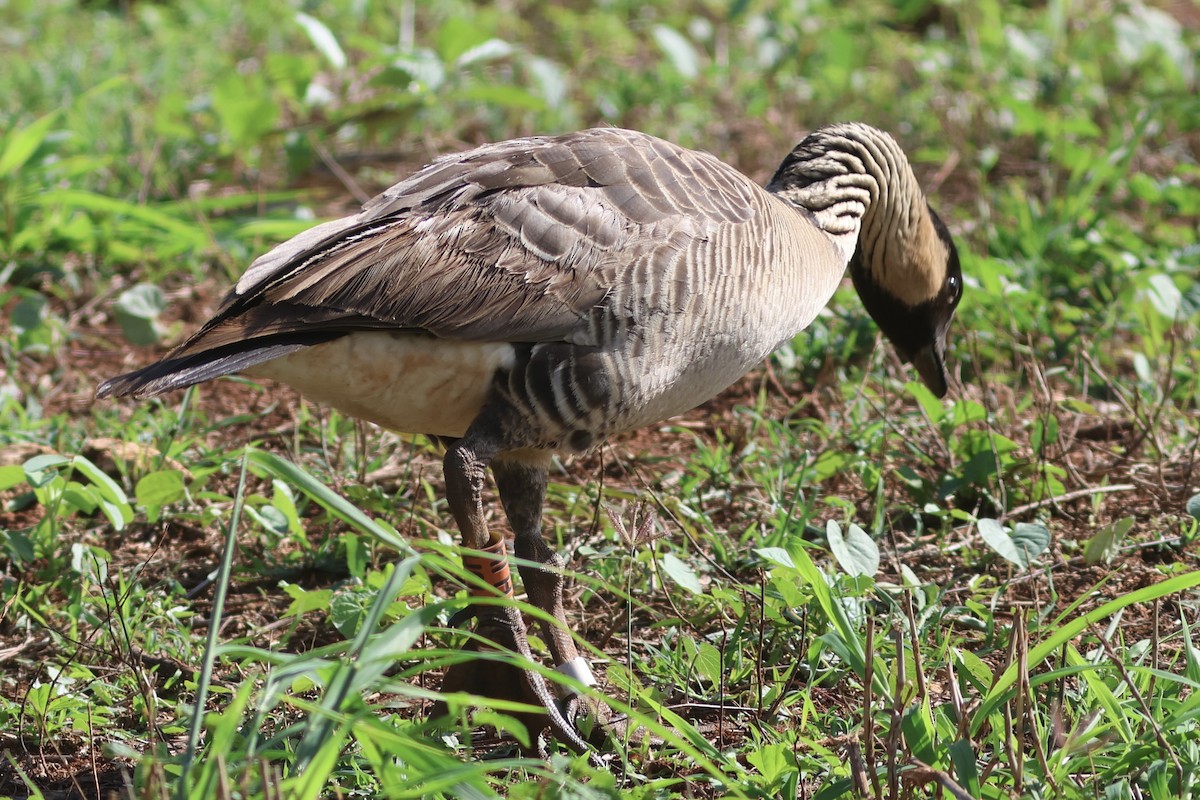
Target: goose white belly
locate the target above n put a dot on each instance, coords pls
(407, 382)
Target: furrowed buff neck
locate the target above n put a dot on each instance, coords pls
(859, 187)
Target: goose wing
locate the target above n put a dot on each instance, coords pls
(518, 241)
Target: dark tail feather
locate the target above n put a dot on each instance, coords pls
(182, 371)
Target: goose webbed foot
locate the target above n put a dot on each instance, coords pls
(501, 627)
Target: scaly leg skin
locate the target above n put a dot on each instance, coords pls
(522, 487)
(465, 465)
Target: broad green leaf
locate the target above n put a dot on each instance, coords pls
(270, 518)
(776, 555)
(305, 600)
(109, 489)
(245, 107)
(323, 39)
(1105, 543)
(139, 330)
(996, 537)
(457, 36)
(19, 544)
(285, 502)
(856, 552)
(77, 496)
(19, 145)
(1045, 432)
(38, 698)
(976, 669)
(144, 300)
(137, 310)
(31, 321)
(1020, 546)
(1118, 791)
(29, 314)
(348, 608)
(966, 411)
(966, 766)
(708, 662)
(39, 470)
(919, 733)
(159, 488)
(933, 407)
(681, 573)
(1031, 539)
(1142, 368)
(11, 476)
(771, 760)
(119, 514)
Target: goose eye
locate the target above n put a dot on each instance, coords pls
(954, 287)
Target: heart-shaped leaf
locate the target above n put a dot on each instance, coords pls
(856, 552)
(681, 573)
(1107, 541)
(1019, 546)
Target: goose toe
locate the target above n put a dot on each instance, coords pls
(501, 628)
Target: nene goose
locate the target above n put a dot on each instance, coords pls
(538, 295)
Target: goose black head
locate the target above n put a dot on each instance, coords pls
(911, 290)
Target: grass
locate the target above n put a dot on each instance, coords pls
(826, 582)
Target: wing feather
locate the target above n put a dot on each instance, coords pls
(517, 241)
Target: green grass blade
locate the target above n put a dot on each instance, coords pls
(369, 656)
(220, 591)
(23, 143)
(999, 692)
(327, 498)
(196, 237)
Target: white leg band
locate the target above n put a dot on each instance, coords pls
(578, 669)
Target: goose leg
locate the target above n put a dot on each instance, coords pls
(465, 466)
(522, 487)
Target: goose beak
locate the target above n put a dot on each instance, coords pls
(930, 364)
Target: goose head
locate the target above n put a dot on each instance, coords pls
(910, 285)
(857, 186)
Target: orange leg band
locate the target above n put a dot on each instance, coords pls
(493, 570)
